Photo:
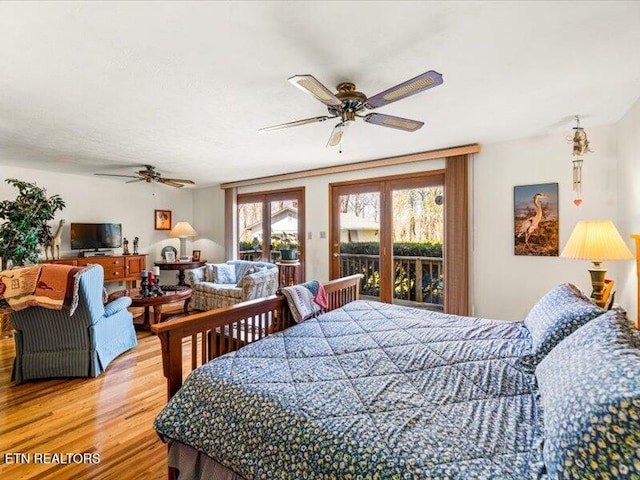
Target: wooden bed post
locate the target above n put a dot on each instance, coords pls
(171, 361)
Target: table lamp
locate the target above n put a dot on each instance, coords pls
(183, 230)
(596, 240)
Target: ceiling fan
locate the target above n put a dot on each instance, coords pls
(149, 175)
(347, 104)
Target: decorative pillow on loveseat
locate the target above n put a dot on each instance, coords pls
(556, 316)
(590, 393)
(223, 273)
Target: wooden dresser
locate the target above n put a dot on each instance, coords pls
(117, 268)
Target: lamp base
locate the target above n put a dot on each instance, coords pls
(597, 283)
(183, 247)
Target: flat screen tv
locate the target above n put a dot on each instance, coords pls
(93, 236)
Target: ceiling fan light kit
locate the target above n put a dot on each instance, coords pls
(348, 103)
(337, 133)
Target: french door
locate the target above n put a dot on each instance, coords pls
(391, 230)
(269, 220)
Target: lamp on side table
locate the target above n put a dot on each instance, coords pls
(596, 240)
(183, 230)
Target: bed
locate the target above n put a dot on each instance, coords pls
(371, 390)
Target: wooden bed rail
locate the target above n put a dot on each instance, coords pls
(223, 330)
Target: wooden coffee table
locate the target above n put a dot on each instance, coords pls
(172, 294)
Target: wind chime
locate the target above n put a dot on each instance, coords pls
(580, 148)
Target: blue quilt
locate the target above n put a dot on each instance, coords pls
(370, 390)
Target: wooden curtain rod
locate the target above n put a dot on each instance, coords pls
(349, 167)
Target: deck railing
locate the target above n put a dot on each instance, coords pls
(256, 255)
(417, 280)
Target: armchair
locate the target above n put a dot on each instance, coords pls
(50, 343)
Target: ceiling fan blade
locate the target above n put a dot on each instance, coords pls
(309, 84)
(418, 84)
(177, 180)
(393, 122)
(114, 175)
(167, 181)
(294, 124)
(338, 132)
(136, 180)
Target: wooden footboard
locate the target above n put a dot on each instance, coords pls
(207, 335)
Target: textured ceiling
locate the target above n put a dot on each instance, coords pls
(104, 87)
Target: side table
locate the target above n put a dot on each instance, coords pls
(288, 273)
(180, 266)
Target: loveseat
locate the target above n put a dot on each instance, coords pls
(225, 284)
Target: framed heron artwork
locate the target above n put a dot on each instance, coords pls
(535, 220)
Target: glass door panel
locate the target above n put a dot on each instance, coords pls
(358, 247)
(418, 235)
(250, 231)
(284, 230)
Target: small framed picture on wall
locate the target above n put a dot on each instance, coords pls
(162, 219)
(535, 219)
(195, 256)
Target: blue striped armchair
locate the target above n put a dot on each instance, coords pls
(50, 343)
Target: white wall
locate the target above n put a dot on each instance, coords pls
(208, 220)
(628, 143)
(94, 199)
(506, 286)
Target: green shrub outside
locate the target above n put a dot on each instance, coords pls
(245, 245)
(400, 249)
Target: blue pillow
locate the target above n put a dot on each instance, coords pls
(223, 273)
(590, 393)
(556, 316)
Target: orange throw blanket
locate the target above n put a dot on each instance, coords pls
(46, 285)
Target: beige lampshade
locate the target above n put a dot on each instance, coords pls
(182, 230)
(596, 240)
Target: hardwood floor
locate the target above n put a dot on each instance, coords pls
(110, 415)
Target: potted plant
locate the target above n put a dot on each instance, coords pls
(288, 248)
(25, 226)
